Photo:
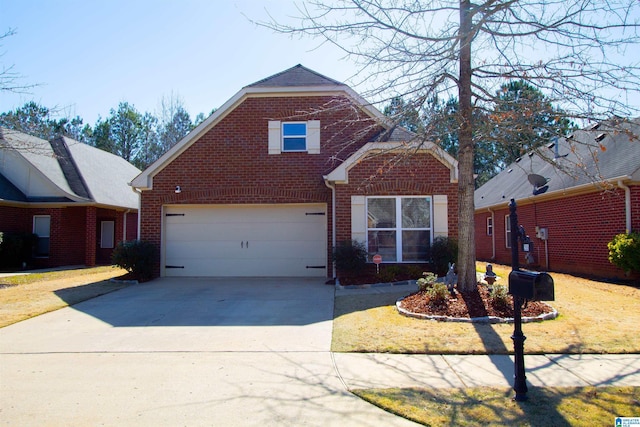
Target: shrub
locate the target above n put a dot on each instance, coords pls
(389, 273)
(16, 249)
(499, 296)
(624, 251)
(426, 282)
(444, 251)
(350, 257)
(137, 257)
(438, 293)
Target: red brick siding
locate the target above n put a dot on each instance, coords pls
(74, 234)
(579, 229)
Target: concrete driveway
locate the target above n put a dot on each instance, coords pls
(232, 352)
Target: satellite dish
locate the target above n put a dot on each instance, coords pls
(537, 180)
(539, 183)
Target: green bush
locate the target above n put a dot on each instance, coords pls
(16, 249)
(499, 296)
(426, 282)
(438, 294)
(443, 252)
(350, 257)
(624, 251)
(137, 257)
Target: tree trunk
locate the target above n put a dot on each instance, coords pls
(466, 243)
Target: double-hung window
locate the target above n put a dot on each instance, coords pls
(294, 136)
(399, 228)
(42, 228)
(507, 231)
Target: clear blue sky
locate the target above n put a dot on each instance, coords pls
(89, 55)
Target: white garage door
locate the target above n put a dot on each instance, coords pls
(251, 241)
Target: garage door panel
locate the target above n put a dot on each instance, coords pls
(260, 240)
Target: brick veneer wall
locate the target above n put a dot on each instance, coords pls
(579, 229)
(230, 164)
(74, 232)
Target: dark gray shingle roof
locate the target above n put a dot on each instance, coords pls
(296, 76)
(587, 156)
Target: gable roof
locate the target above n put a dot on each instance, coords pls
(63, 171)
(581, 162)
(294, 77)
(293, 81)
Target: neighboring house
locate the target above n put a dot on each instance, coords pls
(73, 196)
(286, 168)
(572, 198)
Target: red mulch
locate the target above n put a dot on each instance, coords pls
(468, 305)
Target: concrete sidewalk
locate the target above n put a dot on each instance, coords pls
(376, 370)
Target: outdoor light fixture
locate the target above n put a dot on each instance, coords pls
(178, 189)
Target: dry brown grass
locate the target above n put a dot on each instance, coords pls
(485, 406)
(22, 297)
(595, 317)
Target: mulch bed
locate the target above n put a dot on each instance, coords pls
(470, 305)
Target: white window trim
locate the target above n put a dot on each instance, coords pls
(398, 228)
(283, 137)
(507, 231)
(489, 226)
(107, 234)
(276, 139)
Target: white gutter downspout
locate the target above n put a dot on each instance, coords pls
(333, 223)
(139, 193)
(627, 204)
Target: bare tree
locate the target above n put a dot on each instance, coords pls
(581, 54)
(11, 80)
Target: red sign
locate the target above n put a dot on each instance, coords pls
(377, 259)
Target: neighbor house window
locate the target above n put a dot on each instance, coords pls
(294, 136)
(399, 228)
(42, 228)
(507, 230)
(107, 232)
(489, 226)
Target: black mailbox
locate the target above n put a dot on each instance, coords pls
(531, 286)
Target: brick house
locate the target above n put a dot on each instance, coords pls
(572, 198)
(285, 169)
(73, 196)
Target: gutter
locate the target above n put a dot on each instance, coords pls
(333, 222)
(627, 205)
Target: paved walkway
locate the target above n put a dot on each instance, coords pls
(224, 352)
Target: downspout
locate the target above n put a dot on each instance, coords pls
(627, 204)
(333, 223)
(139, 193)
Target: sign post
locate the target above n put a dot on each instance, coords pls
(377, 260)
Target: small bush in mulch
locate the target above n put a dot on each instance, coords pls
(469, 305)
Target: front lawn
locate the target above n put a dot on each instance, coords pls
(595, 317)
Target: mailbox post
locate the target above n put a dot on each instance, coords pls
(523, 286)
(518, 338)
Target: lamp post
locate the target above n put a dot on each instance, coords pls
(520, 379)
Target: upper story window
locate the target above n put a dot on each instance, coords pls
(294, 136)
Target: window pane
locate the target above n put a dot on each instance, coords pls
(416, 213)
(107, 229)
(294, 129)
(382, 243)
(294, 144)
(42, 228)
(415, 245)
(381, 213)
